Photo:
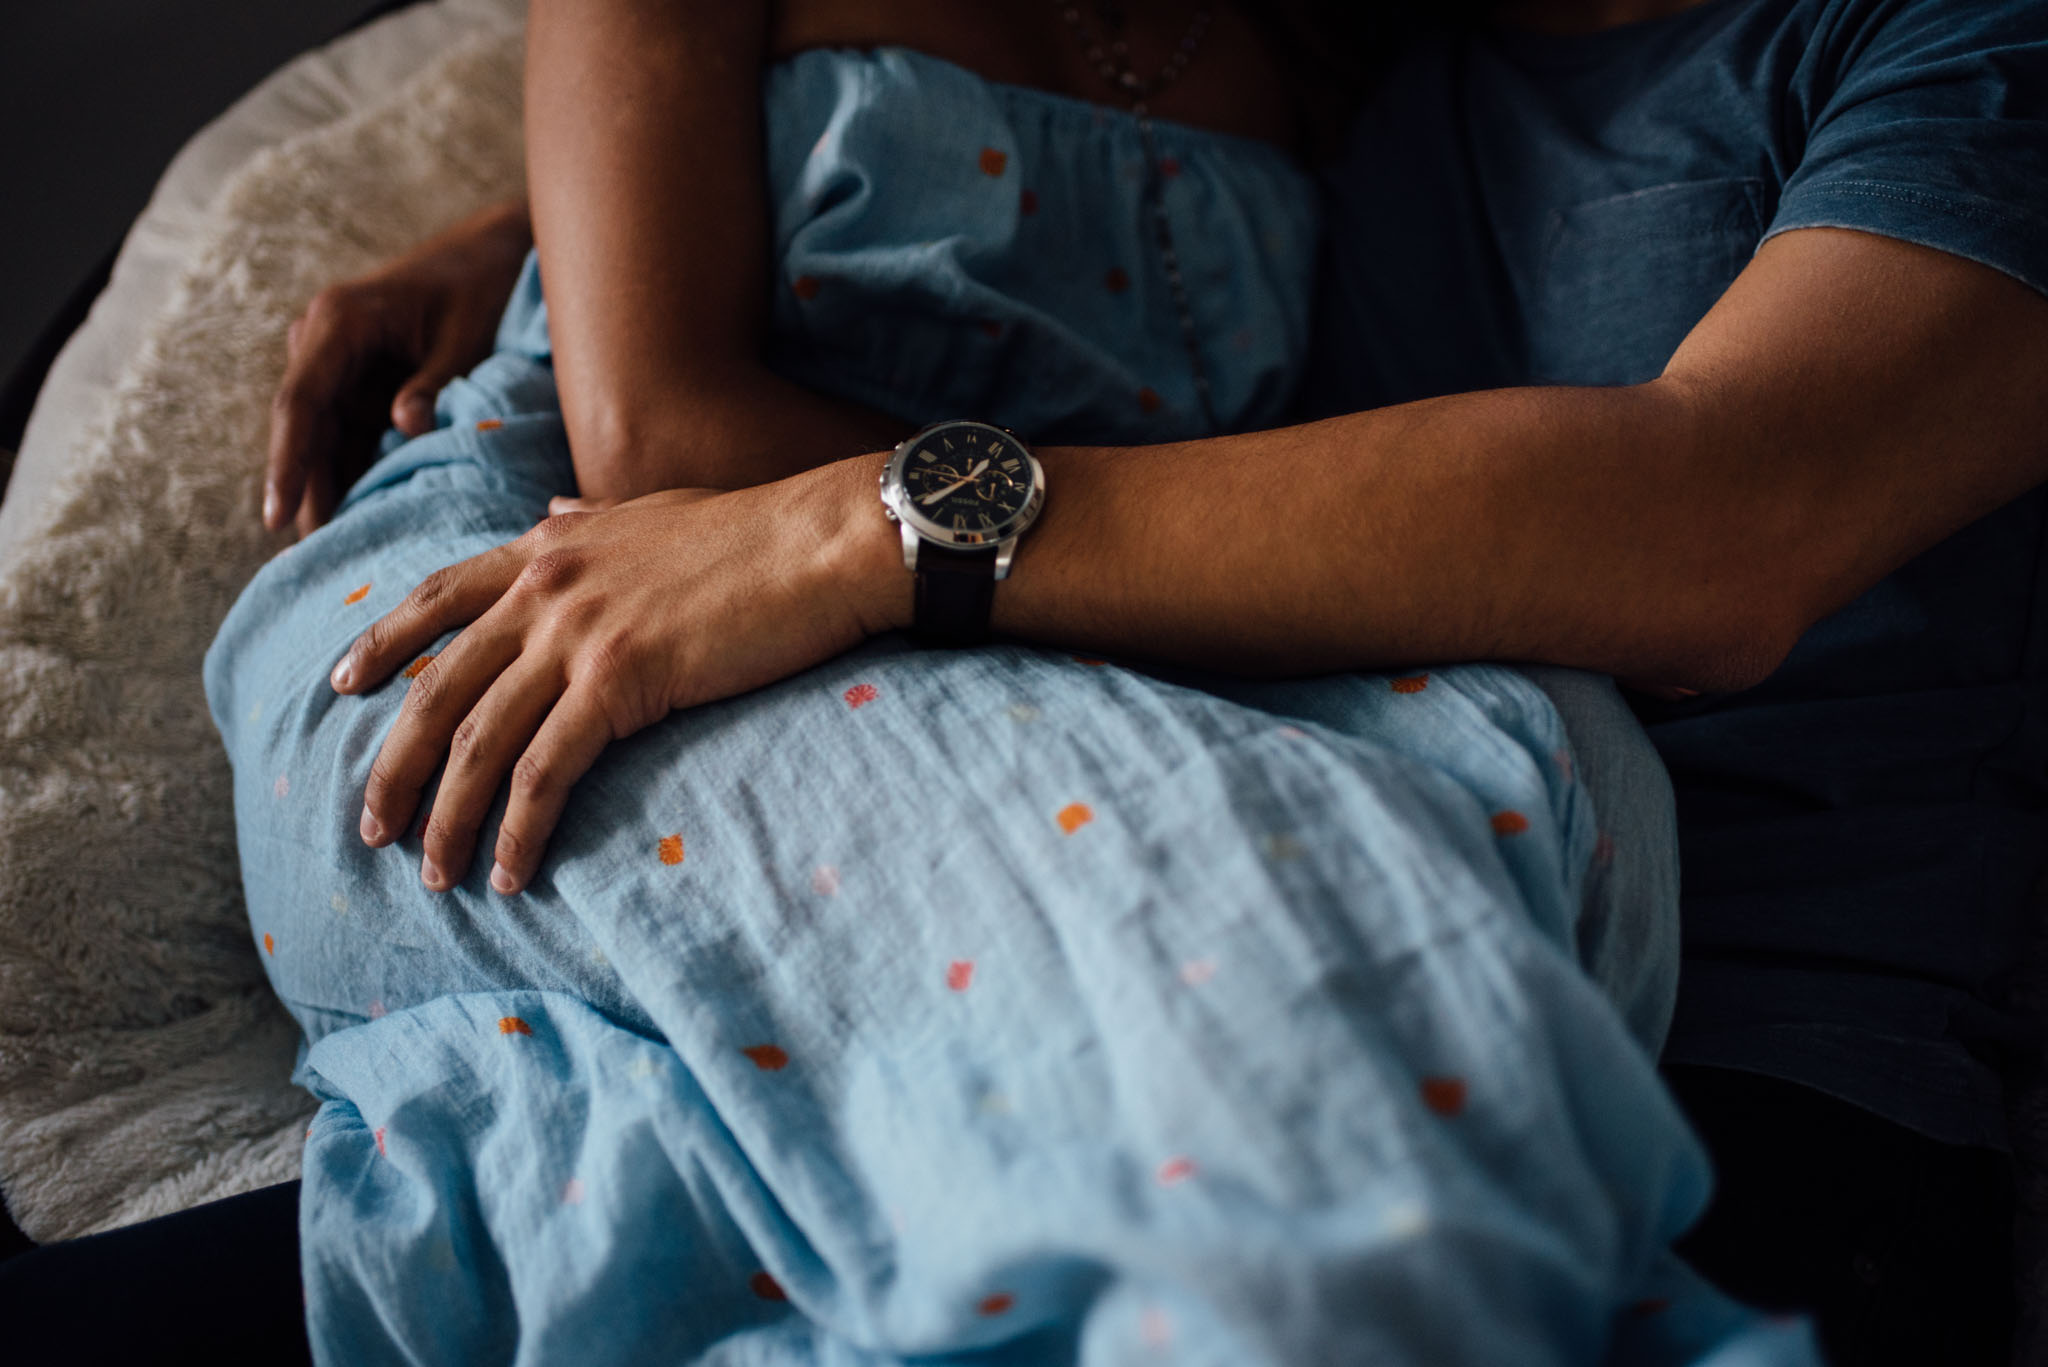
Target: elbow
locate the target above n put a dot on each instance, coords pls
(690, 430)
(1743, 659)
(605, 434)
(1729, 648)
(622, 450)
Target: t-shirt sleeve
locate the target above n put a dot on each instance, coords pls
(1928, 122)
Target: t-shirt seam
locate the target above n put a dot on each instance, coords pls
(1886, 190)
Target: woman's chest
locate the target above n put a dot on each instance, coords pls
(1229, 76)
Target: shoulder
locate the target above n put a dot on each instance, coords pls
(2005, 41)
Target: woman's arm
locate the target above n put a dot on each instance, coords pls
(644, 155)
(1851, 401)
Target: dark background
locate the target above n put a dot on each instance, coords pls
(95, 98)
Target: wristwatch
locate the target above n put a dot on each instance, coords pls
(962, 493)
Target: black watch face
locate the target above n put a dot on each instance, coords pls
(968, 479)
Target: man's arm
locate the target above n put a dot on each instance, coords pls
(1849, 402)
(644, 157)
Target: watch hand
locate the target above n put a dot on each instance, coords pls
(996, 480)
(929, 499)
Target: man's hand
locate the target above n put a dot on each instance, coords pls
(594, 625)
(377, 349)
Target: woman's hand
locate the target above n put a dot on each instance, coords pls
(377, 349)
(594, 625)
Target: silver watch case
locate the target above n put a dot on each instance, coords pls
(918, 529)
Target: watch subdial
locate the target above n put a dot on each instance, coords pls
(997, 486)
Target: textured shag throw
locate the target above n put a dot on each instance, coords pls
(143, 1061)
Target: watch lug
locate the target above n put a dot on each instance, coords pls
(1003, 554)
(911, 541)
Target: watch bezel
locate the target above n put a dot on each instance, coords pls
(895, 494)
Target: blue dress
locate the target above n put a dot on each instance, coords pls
(1009, 271)
(990, 1005)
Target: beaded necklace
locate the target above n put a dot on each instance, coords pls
(1112, 61)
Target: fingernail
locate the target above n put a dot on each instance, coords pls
(430, 874)
(372, 829)
(270, 507)
(344, 674)
(502, 880)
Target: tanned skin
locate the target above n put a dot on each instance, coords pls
(1851, 401)
(650, 206)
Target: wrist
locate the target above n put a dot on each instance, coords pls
(861, 550)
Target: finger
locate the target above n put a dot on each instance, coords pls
(317, 504)
(481, 751)
(323, 494)
(567, 744)
(444, 600)
(441, 696)
(412, 410)
(326, 347)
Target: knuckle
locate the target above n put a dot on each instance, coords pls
(430, 592)
(427, 693)
(609, 660)
(530, 779)
(384, 781)
(466, 746)
(548, 572)
(291, 396)
(582, 613)
(442, 834)
(551, 529)
(330, 308)
(512, 847)
(374, 641)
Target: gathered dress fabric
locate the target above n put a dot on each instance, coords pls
(991, 1005)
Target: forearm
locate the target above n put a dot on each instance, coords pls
(1572, 526)
(753, 427)
(643, 131)
(1850, 402)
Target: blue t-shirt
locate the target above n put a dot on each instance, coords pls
(1861, 835)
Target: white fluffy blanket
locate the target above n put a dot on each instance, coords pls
(143, 1060)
